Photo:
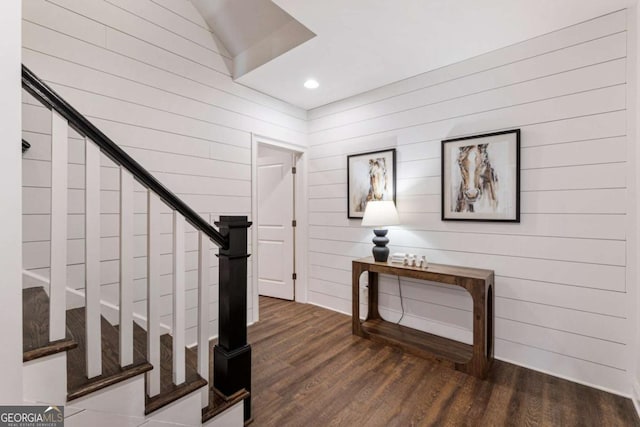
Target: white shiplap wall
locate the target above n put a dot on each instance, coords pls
(562, 296)
(11, 367)
(152, 76)
(634, 131)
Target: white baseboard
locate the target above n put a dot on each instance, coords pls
(565, 377)
(430, 326)
(76, 299)
(33, 280)
(328, 308)
(111, 312)
(635, 395)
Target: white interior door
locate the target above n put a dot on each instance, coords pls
(275, 230)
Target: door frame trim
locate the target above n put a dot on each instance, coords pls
(300, 239)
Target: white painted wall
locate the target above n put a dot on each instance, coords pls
(634, 126)
(153, 78)
(10, 172)
(564, 298)
(151, 75)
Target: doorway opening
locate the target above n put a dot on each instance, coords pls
(275, 232)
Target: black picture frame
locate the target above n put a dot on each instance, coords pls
(359, 187)
(492, 194)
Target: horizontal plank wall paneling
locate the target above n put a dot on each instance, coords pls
(153, 77)
(561, 292)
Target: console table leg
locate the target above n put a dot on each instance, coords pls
(480, 362)
(356, 271)
(373, 297)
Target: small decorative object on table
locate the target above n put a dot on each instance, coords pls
(398, 257)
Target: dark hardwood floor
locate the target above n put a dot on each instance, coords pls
(308, 370)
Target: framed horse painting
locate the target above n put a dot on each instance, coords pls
(371, 176)
(481, 177)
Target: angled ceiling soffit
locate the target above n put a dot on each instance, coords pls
(253, 31)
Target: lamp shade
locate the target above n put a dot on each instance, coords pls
(380, 213)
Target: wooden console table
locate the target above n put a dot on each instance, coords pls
(473, 359)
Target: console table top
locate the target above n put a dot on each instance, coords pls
(435, 269)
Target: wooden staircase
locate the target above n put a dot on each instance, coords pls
(170, 392)
(105, 359)
(78, 385)
(35, 305)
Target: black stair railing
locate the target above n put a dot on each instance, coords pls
(82, 125)
(232, 354)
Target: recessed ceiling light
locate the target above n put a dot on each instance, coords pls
(311, 84)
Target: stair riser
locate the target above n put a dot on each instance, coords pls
(232, 417)
(186, 411)
(45, 379)
(124, 398)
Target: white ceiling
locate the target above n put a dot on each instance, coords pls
(364, 44)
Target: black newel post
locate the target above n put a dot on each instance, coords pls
(232, 354)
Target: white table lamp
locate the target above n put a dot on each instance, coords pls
(380, 214)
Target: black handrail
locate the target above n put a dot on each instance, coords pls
(52, 100)
(25, 145)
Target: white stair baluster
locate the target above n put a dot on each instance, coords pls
(92, 259)
(153, 292)
(58, 274)
(178, 299)
(126, 267)
(203, 313)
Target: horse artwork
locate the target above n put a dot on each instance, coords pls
(371, 177)
(479, 183)
(481, 177)
(378, 182)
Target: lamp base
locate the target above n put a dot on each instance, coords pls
(380, 250)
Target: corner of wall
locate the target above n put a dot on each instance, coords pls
(635, 395)
(11, 368)
(633, 79)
